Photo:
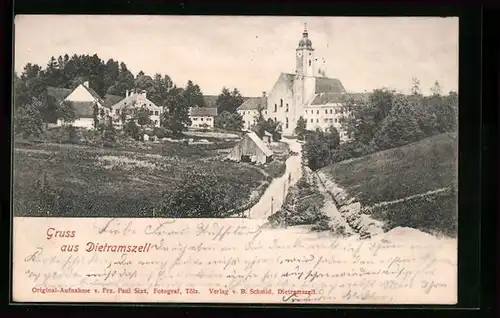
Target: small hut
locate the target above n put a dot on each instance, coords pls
(251, 149)
(268, 137)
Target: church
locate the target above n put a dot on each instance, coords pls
(308, 93)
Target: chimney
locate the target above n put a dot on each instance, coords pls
(264, 94)
(86, 84)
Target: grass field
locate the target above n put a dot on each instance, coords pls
(395, 174)
(75, 180)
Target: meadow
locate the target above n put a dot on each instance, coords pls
(414, 185)
(161, 180)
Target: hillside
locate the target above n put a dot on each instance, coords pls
(413, 185)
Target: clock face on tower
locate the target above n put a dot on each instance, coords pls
(299, 53)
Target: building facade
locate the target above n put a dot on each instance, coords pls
(250, 109)
(307, 93)
(84, 100)
(202, 117)
(133, 101)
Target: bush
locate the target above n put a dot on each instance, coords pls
(160, 132)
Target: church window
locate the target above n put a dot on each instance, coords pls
(275, 119)
(281, 102)
(286, 123)
(309, 62)
(275, 108)
(286, 108)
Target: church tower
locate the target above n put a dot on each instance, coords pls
(305, 70)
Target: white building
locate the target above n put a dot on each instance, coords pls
(202, 117)
(84, 100)
(307, 93)
(250, 109)
(125, 108)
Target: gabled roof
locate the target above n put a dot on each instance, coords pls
(95, 95)
(203, 111)
(111, 100)
(252, 135)
(84, 109)
(254, 103)
(58, 93)
(136, 100)
(288, 79)
(328, 85)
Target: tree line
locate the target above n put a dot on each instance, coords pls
(33, 106)
(387, 119)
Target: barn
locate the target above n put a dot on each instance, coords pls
(251, 149)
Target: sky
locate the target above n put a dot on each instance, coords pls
(249, 53)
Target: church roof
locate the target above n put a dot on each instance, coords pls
(328, 98)
(254, 103)
(329, 85)
(203, 111)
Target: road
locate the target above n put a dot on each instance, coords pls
(273, 197)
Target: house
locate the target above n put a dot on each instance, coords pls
(251, 149)
(202, 117)
(307, 93)
(133, 101)
(250, 109)
(84, 100)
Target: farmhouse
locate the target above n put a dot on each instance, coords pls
(202, 117)
(251, 149)
(307, 93)
(125, 108)
(250, 109)
(84, 100)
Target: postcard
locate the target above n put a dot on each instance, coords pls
(235, 159)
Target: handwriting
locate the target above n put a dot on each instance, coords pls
(220, 259)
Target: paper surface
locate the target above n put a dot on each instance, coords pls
(210, 260)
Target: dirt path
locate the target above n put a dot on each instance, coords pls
(330, 210)
(275, 194)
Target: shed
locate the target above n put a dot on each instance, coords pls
(251, 149)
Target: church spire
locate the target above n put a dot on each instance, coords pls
(305, 42)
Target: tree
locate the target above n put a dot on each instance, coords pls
(131, 129)
(28, 120)
(229, 101)
(193, 96)
(301, 128)
(66, 112)
(176, 112)
(95, 115)
(415, 86)
(142, 117)
(436, 89)
(228, 121)
(400, 127)
(362, 118)
(320, 146)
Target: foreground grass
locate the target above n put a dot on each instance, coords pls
(74, 180)
(427, 165)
